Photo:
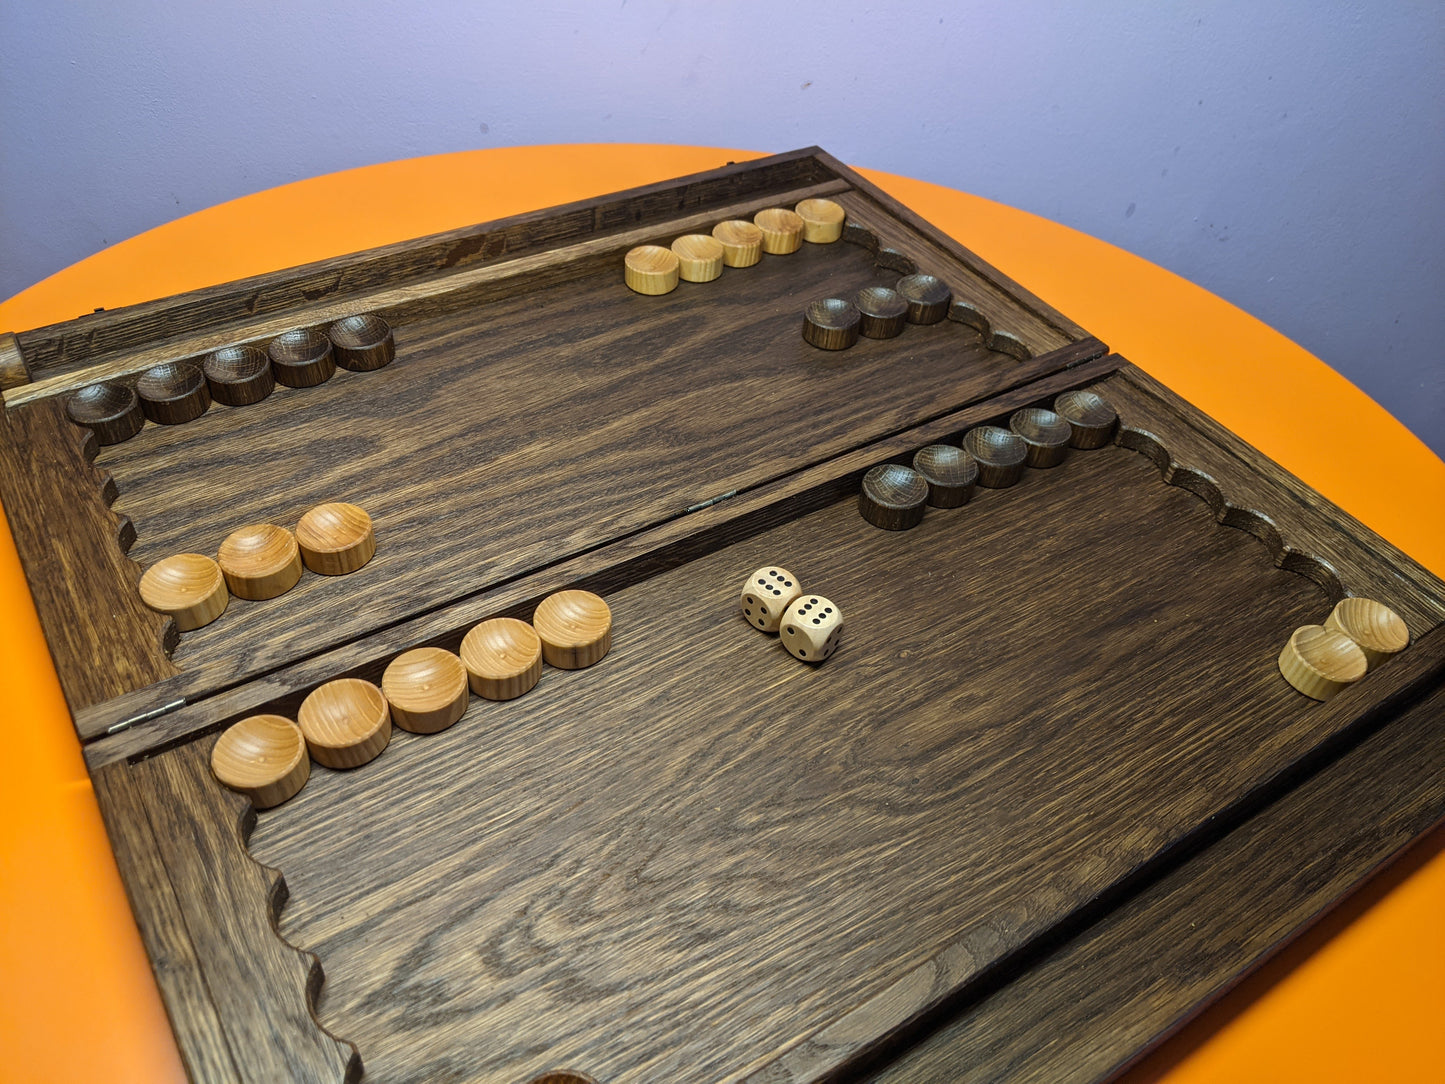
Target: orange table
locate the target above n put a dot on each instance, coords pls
(1360, 997)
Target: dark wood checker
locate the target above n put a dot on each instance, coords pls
(1054, 720)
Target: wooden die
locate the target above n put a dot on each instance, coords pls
(811, 627)
(766, 594)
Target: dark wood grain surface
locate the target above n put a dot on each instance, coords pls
(104, 639)
(606, 569)
(1305, 532)
(1041, 330)
(82, 343)
(922, 788)
(1054, 717)
(234, 978)
(515, 433)
(1097, 1001)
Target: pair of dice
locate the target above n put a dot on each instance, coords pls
(808, 625)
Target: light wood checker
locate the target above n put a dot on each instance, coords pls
(187, 587)
(822, 220)
(336, 538)
(260, 561)
(426, 688)
(347, 723)
(782, 230)
(264, 757)
(503, 657)
(651, 269)
(1376, 629)
(575, 628)
(742, 242)
(700, 257)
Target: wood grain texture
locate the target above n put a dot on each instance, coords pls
(347, 723)
(1378, 630)
(928, 298)
(260, 561)
(789, 854)
(263, 757)
(998, 284)
(260, 988)
(111, 411)
(699, 256)
(13, 370)
(1046, 434)
(362, 342)
(1091, 419)
(664, 403)
(883, 313)
(727, 521)
(822, 220)
(742, 242)
(173, 393)
(1033, 322)
(605, 569)
(893, 497)
(951, 474)
(189, 588)
(782, 230)
(1085, 1007)
(427, 689)
(103, 637)
(344, 279)
(767, 869)
(1000, 453)
(410, 299)
(302, 357)
(238, 375)
(831, 324)
(575, 628)
(1305, 532)
(336, 538)
(503, 657)
(201, 1032)
(651, 270)
(1321, 663)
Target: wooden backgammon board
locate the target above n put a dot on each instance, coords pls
(1045, 795)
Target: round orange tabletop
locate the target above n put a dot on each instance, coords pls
(1359, 997)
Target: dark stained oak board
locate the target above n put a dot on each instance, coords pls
(532, 428)
(537, 407)
(1054, 715)
(769, 871)
(734, 847)
(1099, 1000)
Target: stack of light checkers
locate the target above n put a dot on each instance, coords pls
(1360, 633)
(895, 496)
(176, 392)
(258, 561)
(347, 722)
(878, 312)
(808, 625)
(700, 257)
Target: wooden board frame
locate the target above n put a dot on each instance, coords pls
(120, 663)
(242, 1002)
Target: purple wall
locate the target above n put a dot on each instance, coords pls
(1288, 156)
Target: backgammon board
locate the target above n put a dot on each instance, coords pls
(977, 841)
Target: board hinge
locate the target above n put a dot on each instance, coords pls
(126, 724)
(711, 501)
